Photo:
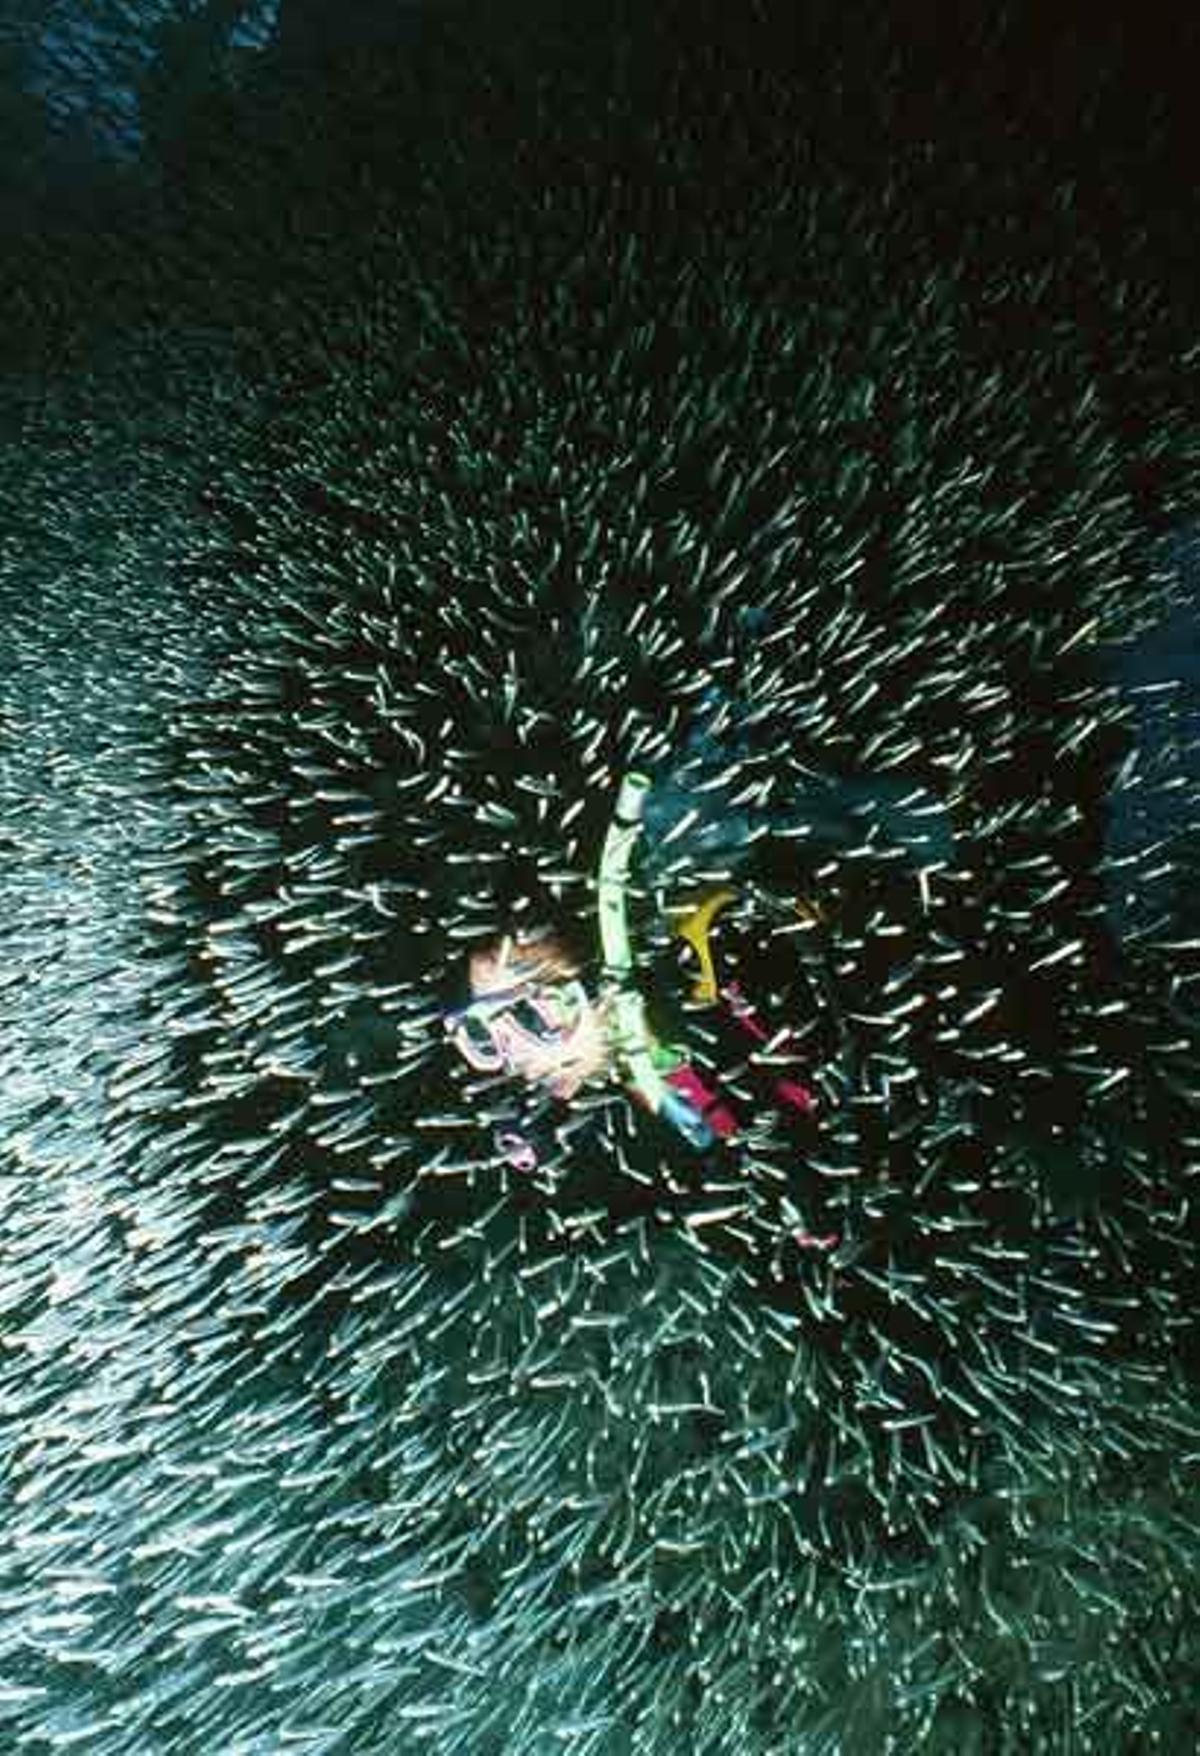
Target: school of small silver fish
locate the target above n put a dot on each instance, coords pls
(327, 1429)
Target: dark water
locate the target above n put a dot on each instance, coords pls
(1159, 677)
(321, 1432)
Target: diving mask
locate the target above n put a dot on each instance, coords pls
(506, 1028)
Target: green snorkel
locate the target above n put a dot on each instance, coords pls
(635, 1045)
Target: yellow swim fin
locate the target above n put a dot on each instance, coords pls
(695, 926)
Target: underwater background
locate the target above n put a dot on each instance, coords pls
(412, 417)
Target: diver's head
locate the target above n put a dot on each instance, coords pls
(531, 1014)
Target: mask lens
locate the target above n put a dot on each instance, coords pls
(529, 1017)
(559, 1011)
(545, 1015)
(478, 1034)
(472, 1034)
(573, 1000)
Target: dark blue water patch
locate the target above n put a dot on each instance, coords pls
(91, 61)
(823, 812)
(1151, 838)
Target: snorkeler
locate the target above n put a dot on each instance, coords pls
(534, 1015)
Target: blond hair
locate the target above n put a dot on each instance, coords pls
(541, 951)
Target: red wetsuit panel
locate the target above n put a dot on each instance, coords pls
(717, 1114)
(788, 1091)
